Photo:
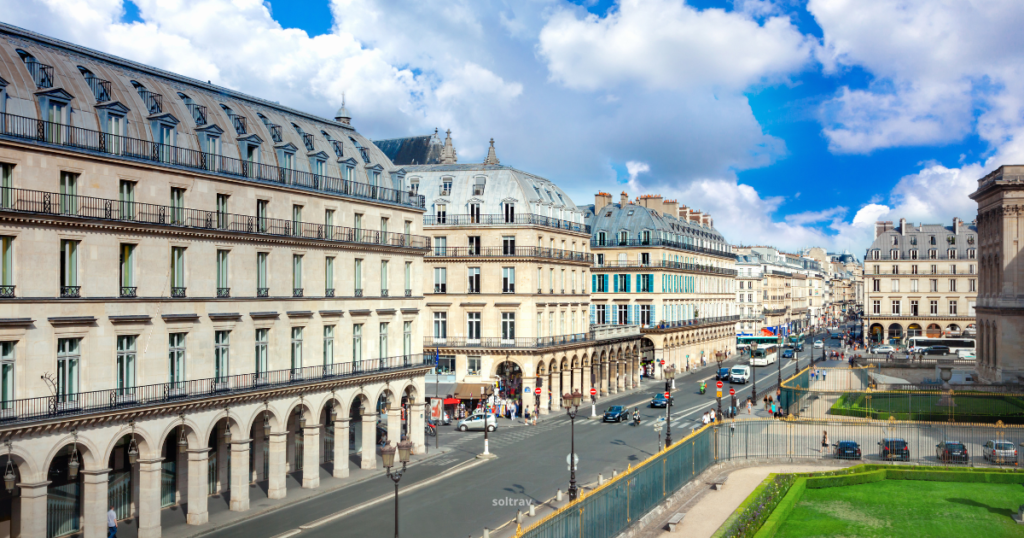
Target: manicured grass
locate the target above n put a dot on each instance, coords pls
(926, 406)
(906, 508)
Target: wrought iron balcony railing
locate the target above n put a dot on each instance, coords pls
(42, 74)
(262, 292)
(77, 138)
(699, 322)
(656, 242)
(129, 292)
(6, 292)
(296, 292)
(198, 113)
(70, 292)
(384, 292)
(100, 401)
(329, 292)
(307, 140)
(50, 203)
(494, 252)
(408, 293)
(223, 293)
(359, 292)
(666, 264)
(178, 292)
(154, 101)
(502, 220)
(100, 88)
(499, 342)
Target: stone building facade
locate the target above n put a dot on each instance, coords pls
(191, 275)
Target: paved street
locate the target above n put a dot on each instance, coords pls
(530, 467)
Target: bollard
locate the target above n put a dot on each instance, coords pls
(519, 516)
(533, 510)
(600, 479)
(487, 534)
(558, 496)
(614, 473)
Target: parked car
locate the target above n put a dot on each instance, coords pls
(787, 353)
(891, 448)
(476, 422)
(739, 374)
(722, 374)
(951, 452)
(999, 452)
(659, 400)
(818, 344)
(846, 450)
(935, 350)
(616, 413)
(883, 349)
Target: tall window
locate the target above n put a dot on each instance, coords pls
(358, 277)
(222, 211)
(68, 193)
(262, 289)
(223, 287)
(645, 315)
(297, 275)
(176, 357)
(296, 348)
(508, 245)
(329, 223)
(221, 347)
(262, 213)
(69, 357)
(6, 182)
(913, 285)
(508, 279)
(177, 271)
(383, 340)
(972, 285)
(125, 363)
(952, 284)
(262, 344)
(441, 213)
(177, 205)
(441, 246)
(508, 327)
(384, 278)
(473, 327)
(933, 307)
(296, 220)
(933, 285)
(6, 375)
(357, 342)
(407, 338)
(328, 345)
(440, 280)
(894, 285)
(510, 213)
(896, 307)
(474, 280)
(127, 276)
(876, 285)
(876, 306)
(952, 307)
(126, 198)
(329, 276)
(601, 314)
(408, 279)
(440, 325)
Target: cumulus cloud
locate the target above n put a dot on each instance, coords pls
(669, 44)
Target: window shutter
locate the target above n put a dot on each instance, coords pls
(615, 284)
(593, 314)
(605, 279)
(593, 288)
(654, 314)
(629, 282)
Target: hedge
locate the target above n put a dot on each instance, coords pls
(756, 508)
(954, 476)
(783, 509)
(846, 480)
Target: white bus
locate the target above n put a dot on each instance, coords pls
(764, 355)
(918, 343)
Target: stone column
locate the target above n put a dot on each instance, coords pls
(585, 384)
(544, 408)
(239, 475)
(198, 486)
(149, 498)
(341, 448)
(394, 418)
(368, 459)
(556, 391)
(32, 511)
(94, 503)
(223, 449)
(277, 482)
(311, 457)
(603, 379)
(416, 425)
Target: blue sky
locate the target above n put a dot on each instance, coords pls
(793, 123)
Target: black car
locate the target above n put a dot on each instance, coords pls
(616, 413)
(896, 449)
(951, 452)
(936, 350)
(846, 450)
(659, 400)
(722, 374)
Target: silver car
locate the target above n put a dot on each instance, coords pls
(999, 452)
(476, 422)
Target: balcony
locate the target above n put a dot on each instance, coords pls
(384, 292)
(178, 292)
(103, 401)
(329, 292)
(70, 292)
(502, 220)
(296, 292)
(6, 292)
(129, 292)
(657, 242)
(408, 293)
(665, 264)
(100, 88)
(133, 149)
(223, 293)
(359, 292)
(307, 140)
(511, 343)
(498, 252)
(87, 207)
(691, 323)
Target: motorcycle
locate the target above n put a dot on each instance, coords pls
(430, 429)
(703, 388)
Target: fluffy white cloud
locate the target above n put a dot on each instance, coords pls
(668, 44)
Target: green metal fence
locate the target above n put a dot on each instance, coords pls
(609, 509)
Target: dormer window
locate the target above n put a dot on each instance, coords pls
(623, 237)
(362, 151)
(3, 96)
(895, 240)
(100, 88)
(931, 240)
(913, 240)
(237, 121)
(478, 186)
(602, 238)
(154, 102)
(198, 112)
(317, 166)
(275, 129)
(42, 74)
(446, 186)
(307, 139)
(414, 186)
(339, 148)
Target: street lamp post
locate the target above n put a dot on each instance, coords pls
(388, 455)
(487, 427)
(670, 374)
(572, 406)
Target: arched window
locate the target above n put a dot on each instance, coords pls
(42, 74)
(197, 111)
(100, 88)
(154, 101)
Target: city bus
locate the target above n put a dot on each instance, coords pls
(795, 341)
(764, 355)
(754, 342)
(918, 343)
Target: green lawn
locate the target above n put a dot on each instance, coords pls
(926, 406)
(906, 508)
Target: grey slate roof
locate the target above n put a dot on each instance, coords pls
(920, 238)
(635, 218)
(412, 150)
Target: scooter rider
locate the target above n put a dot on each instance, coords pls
(636, 416)
(703, 387)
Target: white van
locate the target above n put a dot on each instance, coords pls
(739, 374)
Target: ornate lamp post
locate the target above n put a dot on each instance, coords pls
(753, 374)
(670, 374)
(388, 455)
(572, 406)
(487, 427)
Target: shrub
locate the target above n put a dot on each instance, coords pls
(846, 480)
(783, 509)
(754, 511)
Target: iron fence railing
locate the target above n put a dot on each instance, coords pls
(490, 252)
(81, 403)
(498, 342)
(198, 113)
(492, 219)
(699, 322)
(657, 242)
(666, 264)
(51, 203)
(42, 74)
(132, 148)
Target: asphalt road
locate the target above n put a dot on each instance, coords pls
(531, 466)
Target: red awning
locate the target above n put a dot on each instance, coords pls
(451, 401)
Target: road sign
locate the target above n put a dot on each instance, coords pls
(593, 391)
(719, 393)
(719, 384)
(667, 395)
(732, 391)
(537, 391)
(663, 362)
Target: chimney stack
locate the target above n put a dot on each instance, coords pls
(882, 226)
(670, 208)
(623, 199)
(601, 199)
(682, 212)
(956, 225)
(652, 201)
(693, 215)
(903, 226)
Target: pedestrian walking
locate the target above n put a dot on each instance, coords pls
(749, 406)
(774, 410)
(765, 402)
(111, 523)
(823, 374)
(824, 443)
(712, 415)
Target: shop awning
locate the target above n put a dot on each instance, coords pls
(439, 390)
(470, 391)
(452, 401)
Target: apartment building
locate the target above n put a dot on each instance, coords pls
(191, 275)
(922, 281)
(666, 269)
(778, 291)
